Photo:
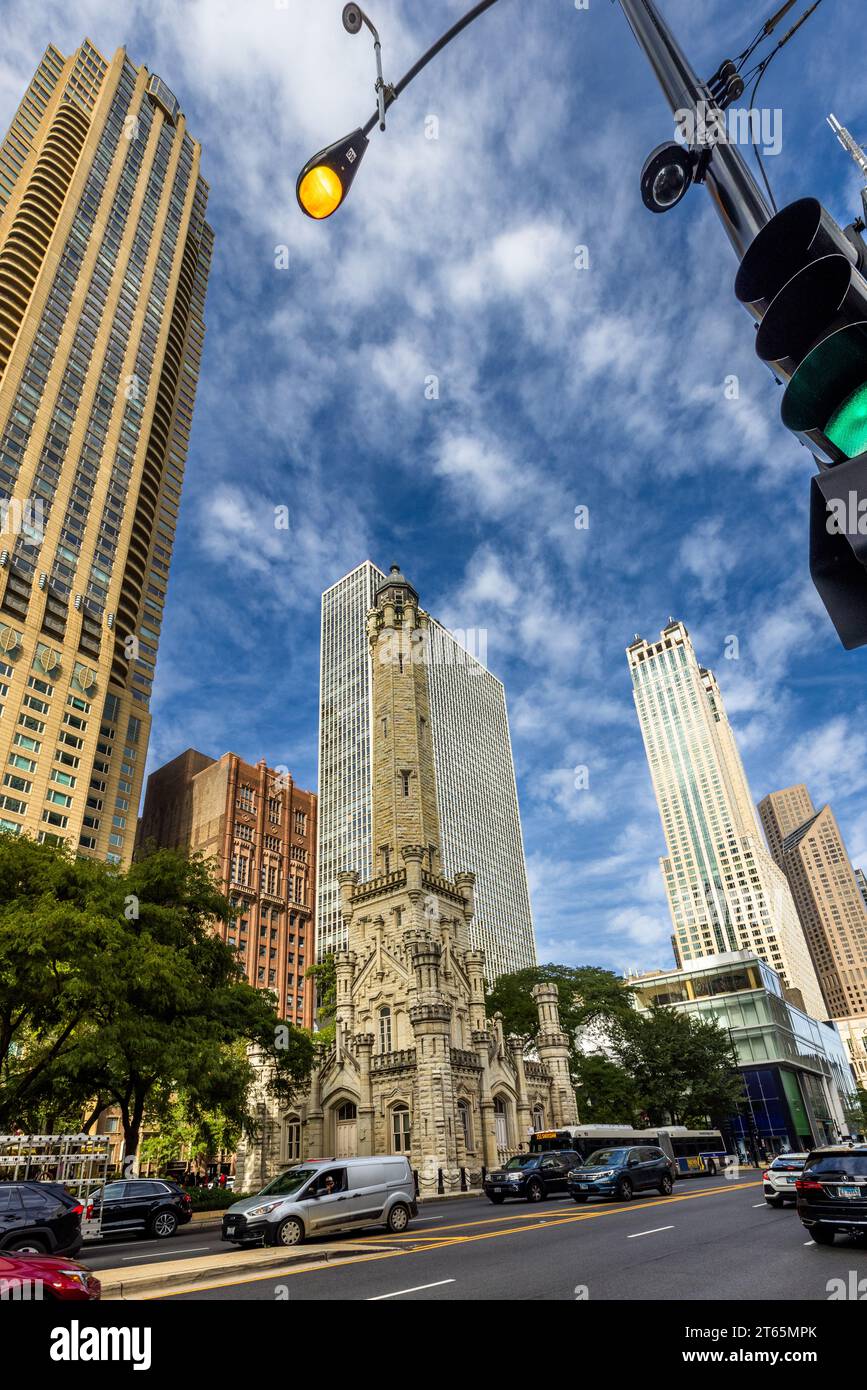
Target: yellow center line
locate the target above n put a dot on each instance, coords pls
(594, 1215)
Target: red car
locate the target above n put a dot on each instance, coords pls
(37, 1278)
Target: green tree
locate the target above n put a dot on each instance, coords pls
(606, 1093)
(681, 1066)
(324, 977)
(856, 1113)
(588, 995)
(158, 1006)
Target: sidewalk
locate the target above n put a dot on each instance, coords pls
(144, 1279)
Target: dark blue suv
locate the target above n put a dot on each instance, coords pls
(621, 1173)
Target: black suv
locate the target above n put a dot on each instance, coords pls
(531, 1176)
(831, 1193)
(39, 1218)
(144, 1206)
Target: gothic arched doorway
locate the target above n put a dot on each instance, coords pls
(346, 1130)
(501, 1121)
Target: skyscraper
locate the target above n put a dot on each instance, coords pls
(725, 893)
(104, 258)
(481, 826)
(808, 847)
(259, 830)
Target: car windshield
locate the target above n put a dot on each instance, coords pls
(606, 1158)
(285, 1183)
(839, 1165)
(523, 1161)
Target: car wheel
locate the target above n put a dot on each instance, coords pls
(27, 1245)
(822, 1236)
(624, 1190)
(579, 1197)
(289, 1232)
(535, 1192)
(397, 1219)
(774, 1201)
(164, 1224)
(496, 1198)
(666, 1185)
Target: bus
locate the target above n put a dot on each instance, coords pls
(692, 1151)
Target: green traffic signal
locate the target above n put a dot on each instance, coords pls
(847, 427)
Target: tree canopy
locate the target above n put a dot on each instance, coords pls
(116, 990)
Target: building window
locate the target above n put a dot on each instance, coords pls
(501, 1122)
(385, 1030)
(538, 1117)
(466, 1121)
(400, 1129)
(293, 1139)
(405, 779)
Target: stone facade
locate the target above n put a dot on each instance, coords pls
(416, 1066)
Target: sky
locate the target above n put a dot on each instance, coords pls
(490, 334)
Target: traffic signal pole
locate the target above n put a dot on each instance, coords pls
(734, 192)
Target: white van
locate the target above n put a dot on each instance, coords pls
(325, 1197)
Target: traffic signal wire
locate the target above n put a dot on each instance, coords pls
(761, 68)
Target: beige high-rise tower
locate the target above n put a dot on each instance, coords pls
(104, 258)
(808, 847)
(725, 892)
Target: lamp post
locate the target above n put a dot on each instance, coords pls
(325, 180)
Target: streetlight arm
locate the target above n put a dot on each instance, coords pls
(392, 93)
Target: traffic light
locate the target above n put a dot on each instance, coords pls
(801, 278)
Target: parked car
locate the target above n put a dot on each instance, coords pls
(778, 1181)
(323, 1199)
(37, 1278)
(39, 1218)
(832, 1192)
(140, 1206)
(622, 1172)
(532, 1177)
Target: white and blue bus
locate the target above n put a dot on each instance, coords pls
(692, 1151)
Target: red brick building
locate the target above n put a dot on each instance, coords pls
(261, 831)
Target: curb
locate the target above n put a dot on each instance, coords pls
(146, 1279)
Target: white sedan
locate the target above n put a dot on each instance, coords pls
(779, 1180)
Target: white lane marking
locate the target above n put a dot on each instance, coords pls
(417, 1289)
(809, 1242)
(756, 1205)
(160, 1254)
(654, 1232)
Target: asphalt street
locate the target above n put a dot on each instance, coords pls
(712, 1240)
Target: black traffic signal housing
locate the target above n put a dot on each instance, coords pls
(801, 278)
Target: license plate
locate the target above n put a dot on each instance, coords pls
(498, 1189)
(849, 1191)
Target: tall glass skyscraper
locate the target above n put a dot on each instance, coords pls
(725, 892)
(481, 825)
(104, 258)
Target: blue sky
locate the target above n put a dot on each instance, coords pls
(558, 387)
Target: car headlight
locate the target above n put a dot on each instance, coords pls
(78, 1274)
(515, 1177)
(608, 1173)
(263, 1210)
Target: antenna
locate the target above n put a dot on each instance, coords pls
(851, 145)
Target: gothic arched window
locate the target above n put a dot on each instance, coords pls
(385, 1030)
(400, 1129)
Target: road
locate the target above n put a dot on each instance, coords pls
(712, 1240)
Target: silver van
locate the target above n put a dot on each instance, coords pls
(325, 1197)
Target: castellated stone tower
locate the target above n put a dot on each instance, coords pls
(416, 1066)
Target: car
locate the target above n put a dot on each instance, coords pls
(621, 1173)
(325, 1197)
(532, 1177)
(39, 1218)
(37, 1278)
(140, 1206)
(778, 1181)
(832, 1192)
